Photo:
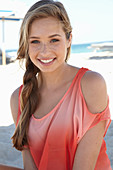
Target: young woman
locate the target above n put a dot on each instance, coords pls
(61, 112)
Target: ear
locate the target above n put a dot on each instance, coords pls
(69, 41)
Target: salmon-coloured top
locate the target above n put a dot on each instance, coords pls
(53, 139)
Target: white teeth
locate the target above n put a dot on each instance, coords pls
(46, 61)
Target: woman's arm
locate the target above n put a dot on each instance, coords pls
(89, 147)
(94, 90)
(28, 161)
(27, 158)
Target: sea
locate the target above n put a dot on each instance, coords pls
(86, 47)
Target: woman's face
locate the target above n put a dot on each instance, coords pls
(48, 44)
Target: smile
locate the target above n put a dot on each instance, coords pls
(47, 61)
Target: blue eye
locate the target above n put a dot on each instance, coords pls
(35, 42)
(54, 40)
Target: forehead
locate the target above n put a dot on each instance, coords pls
(46, 25)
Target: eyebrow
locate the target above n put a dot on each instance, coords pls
(51, 36)
(54, 35)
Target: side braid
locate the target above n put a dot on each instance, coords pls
(29, 101)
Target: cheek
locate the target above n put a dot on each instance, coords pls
(33, 50)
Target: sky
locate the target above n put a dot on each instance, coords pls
(92, 20)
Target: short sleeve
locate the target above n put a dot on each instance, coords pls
(87, 120)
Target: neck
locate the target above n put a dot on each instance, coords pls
(51, 80)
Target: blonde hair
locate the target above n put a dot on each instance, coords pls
(29, 97)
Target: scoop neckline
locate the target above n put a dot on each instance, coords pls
(61, 100)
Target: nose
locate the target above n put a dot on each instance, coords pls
(44, 51)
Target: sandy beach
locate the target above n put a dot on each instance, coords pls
(11, 78)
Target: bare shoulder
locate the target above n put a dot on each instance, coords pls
(94, 91)
(92, 79)
(14, 104)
